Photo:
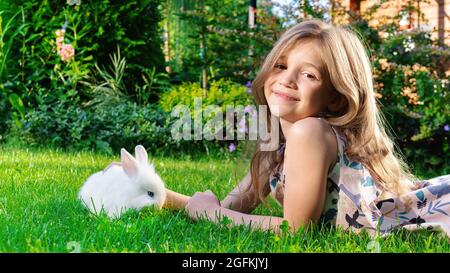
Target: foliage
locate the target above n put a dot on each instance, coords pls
(225, 28)
(4, 112)
(6, 44)
(94, 29)
(416, 103)
(221, 93)
(110, 88)
(107, 128)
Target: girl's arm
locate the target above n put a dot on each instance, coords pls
(175, 200)
(310, 150)
(206, 204)
(239, 199)
(243, 197)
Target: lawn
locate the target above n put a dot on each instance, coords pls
(39, 212)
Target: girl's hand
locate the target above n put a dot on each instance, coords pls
(202, 204)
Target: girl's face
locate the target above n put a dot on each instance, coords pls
(297, 87)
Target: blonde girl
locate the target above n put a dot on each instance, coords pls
(336, 163)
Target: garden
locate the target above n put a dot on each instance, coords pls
(79, 80)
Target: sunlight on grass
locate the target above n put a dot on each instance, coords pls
(39, 212)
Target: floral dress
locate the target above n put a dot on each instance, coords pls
(351, 199)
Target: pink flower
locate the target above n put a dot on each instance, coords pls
(60, 32)
(60, 40)
(66, 52)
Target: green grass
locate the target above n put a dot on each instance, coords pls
(39, 212)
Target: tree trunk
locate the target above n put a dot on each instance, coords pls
(167, 38)
(204, 74)
(251, 24)
(203, 51)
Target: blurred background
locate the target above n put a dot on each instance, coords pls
(106, 74)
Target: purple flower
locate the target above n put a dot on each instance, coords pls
(249, 87)
(232, 147)
(446, 128)
(248, 109)
(241, 127)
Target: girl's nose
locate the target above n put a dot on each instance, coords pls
(288, 80)
(288, 84)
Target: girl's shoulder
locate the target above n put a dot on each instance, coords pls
(328, 134)
(319, 127)
(310, 123)
(314, 127)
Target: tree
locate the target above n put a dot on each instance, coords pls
(208, 40)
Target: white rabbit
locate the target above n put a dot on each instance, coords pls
(130, 184)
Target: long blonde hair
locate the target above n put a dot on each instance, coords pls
(360, 121)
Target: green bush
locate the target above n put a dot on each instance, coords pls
(108, 128)
(4, 110)
(221, 93)
(95, 29)
(413, 92)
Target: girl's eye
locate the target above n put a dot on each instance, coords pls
(280, 66)
(151, 194)
(310, 76)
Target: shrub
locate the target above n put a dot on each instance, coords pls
(221, 93)
(108, 128)
(94, 29)
(3, 115)
(414, 96)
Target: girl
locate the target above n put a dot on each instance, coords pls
(336, 163)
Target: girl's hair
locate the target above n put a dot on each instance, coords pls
(348, 68)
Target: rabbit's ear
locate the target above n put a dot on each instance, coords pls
(141, 154)
(112, 165)
(129, 164)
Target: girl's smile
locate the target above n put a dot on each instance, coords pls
(284, 96)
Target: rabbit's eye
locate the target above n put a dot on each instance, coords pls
(150, 193)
